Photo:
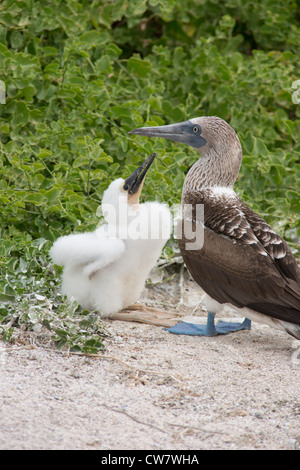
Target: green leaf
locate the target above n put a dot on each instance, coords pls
(103, 65)
(94, 38)
(80, 161)
(34, 198)
(52, 195)
(4, 298)
(139, 67)
(120, 111)
(20, 114)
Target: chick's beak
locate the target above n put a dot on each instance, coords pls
(134, 183)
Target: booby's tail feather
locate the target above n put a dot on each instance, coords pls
(291, 329)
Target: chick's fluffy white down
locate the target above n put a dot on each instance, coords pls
(106, 273)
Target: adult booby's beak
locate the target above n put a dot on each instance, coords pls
(185, 132)
(134, 183)
(174, 132)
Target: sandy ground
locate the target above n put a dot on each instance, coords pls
(153, 390)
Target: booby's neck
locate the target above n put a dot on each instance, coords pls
(214, 170)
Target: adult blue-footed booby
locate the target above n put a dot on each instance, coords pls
(242, 262)
(106, 269)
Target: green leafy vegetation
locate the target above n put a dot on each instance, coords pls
(79, 75)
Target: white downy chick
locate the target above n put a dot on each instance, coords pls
(106, 270)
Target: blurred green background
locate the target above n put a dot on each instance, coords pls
(80, 74)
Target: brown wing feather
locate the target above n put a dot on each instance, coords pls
(275, 246)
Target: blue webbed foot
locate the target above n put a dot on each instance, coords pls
(210, 329)
(229, 327)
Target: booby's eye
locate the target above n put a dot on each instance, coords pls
(195, 129)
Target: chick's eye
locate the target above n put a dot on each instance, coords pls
(195, 129)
